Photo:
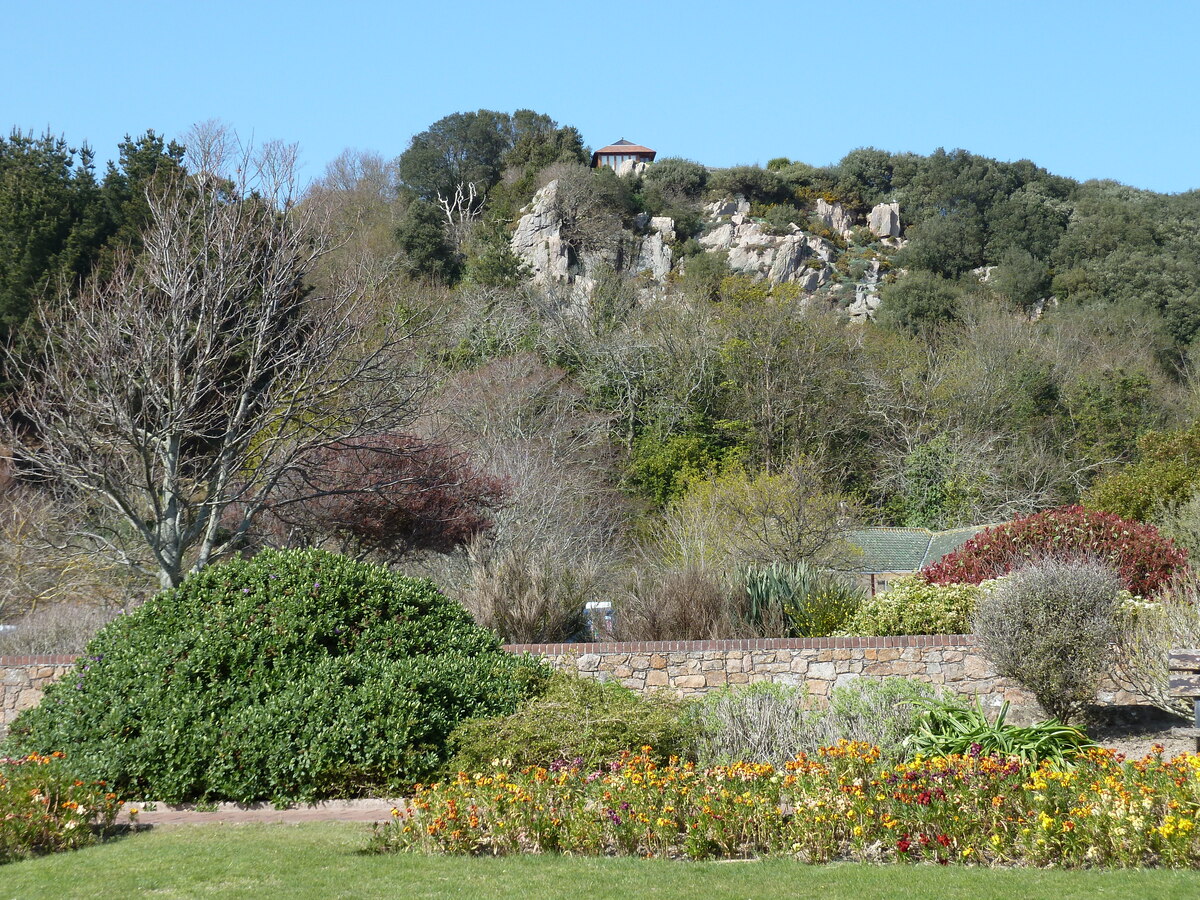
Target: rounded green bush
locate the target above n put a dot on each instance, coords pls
(577, 720)
(292, 675)
(911, 605)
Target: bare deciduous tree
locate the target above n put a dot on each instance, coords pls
(461, 211)
(182, 388)
(555, 536)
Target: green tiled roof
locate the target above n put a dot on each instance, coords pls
(904, 549)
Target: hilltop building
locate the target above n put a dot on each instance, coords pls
(623, 151)
(887, 553)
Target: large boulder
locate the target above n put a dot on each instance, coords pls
(654, 252)
(632, 167)
(538, 238)
(884, 220)
(835, 217)
(737, 206)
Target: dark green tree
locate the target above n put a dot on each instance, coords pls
(421, 238)
(948, 244)
(919, 302)
(458, 149)
(1021, 277)
(864, 176)
(144, 163)
(50, 224)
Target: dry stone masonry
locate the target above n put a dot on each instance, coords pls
(22, 681)
(692, 668)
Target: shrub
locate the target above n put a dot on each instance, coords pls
(753, 723)
(297, 674)
(55, 628)
(673, 180)
(528, 595)
(911, 605)
(1165, 474)
(684, 604)
(755, 184)
(1144, 560)
(1049, 626)
(881, 712)
(772, 723)
(44, 808)
(578, 720)
(812, 602)
(1147, 632)
(949, 726)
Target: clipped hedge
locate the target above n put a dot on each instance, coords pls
(911, 605)
(292, 675)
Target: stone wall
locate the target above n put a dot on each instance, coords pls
(22, 680)
(691, 668)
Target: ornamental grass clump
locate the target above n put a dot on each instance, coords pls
(293, 675)
(44, 808)
(845, 802)
(1049, 626)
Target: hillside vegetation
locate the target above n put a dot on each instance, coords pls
(632, 387)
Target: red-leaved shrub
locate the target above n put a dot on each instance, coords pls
(388, 493)
(1143, 558)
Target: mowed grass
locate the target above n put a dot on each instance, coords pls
(323, 861)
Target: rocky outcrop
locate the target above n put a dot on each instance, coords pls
(835, 217)
(884, 220)
(654, 251)
(866, 294)
(538, 242)
(738, 206)
(646, 250)
(778, 258)
(538, 238)
(632, 167)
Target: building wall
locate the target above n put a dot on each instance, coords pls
(614, 160)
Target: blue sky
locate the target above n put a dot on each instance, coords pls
(1086, 89)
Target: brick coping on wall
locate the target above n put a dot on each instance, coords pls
(827, 643)
(39, 659)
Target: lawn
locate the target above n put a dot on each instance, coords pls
(322, 861)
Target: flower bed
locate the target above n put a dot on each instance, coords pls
(44, 809)
(844, 803)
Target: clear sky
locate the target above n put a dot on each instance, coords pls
(1086, 89)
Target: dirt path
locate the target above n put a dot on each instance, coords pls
(241, 813)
